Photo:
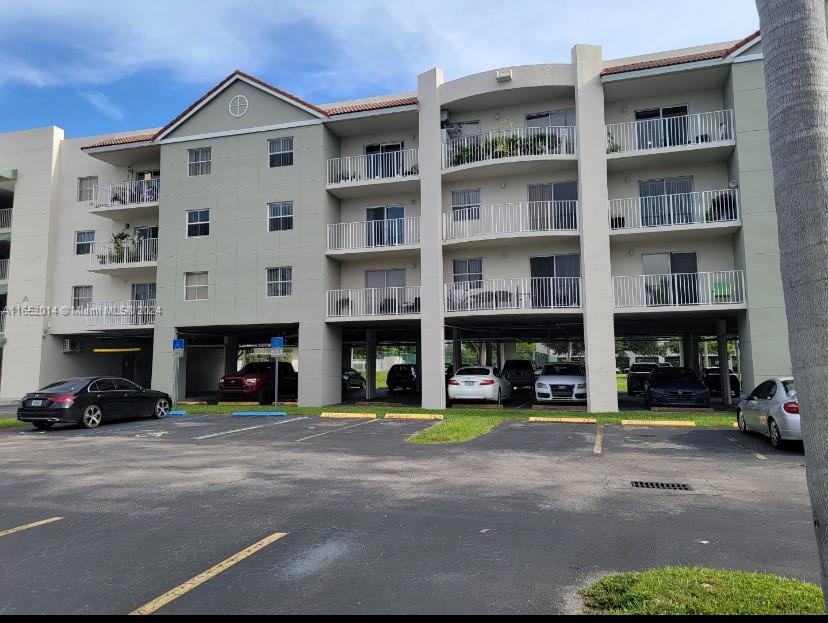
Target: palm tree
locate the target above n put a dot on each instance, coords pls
(796, 77)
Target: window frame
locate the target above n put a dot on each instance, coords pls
(466, 211)
(202, 167)
(457, 277)
(280, 218)
(276, 147)
(89, 189)
(197, 287)
(187, 223)
(90, 243)
(280, 286)
(78, 303)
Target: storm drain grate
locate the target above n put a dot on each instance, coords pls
(663, 486)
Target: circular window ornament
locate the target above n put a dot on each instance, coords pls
(238, 105)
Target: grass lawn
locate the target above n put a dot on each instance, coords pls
(9, 422)
(681, 590)
(621, 382)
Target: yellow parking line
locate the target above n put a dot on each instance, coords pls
(761, 457)
(201, 578)
(599, 440)
(34, 524)
(336, 430)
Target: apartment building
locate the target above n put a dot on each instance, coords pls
(593, 200)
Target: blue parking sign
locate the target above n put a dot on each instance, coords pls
(277, 342)
(178, 344)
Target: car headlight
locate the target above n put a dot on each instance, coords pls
(250, 381)
(581, 386)
(542, 386)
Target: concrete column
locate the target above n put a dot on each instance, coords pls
(231, 354)
(597, 293)
(370, 364)
(320, 364)
(419, 365)
(432, 319)
(693, 354)
(456, 350)
(509, 352)
(346, 356)
(724, 372)
(484, 353)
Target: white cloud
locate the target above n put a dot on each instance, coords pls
(340, 48)
(104, 104)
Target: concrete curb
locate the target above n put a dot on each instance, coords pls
(681, 410)
(570, 408)
(349, 416)
(666, 423)
(564, 420)
(413, 416)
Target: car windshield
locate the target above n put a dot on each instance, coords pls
(257, 368)
(643, 367)
(70, 386)
(562, 369)
(790, 388)
(474, 372)
(674, 374)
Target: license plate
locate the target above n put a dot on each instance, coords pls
(37, 403)
(468, 383)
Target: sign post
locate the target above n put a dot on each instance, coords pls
(277, 347)
(178, 353)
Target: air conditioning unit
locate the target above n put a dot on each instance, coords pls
(503, 75)
(71, 345)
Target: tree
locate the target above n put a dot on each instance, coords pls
(796, 76)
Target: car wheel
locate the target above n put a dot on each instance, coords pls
(91, 417)
(266, 395)
(740, 419)
(774, 434)
(162, 408)
(43, 425)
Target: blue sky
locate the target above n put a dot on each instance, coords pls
(98, 66)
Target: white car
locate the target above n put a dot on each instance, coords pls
(773, 410)
(479, 383)
(561, 382)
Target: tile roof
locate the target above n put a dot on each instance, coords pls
(121, 140)
(377, 104)
(680, 60)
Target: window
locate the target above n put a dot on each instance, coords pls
(280, 216)
(280, 281)
(198, 223)
(468, 270)
(146, 232)
(280, 151)
(195, 286)
(200, 161)
(125, 385)
(556, 118)
(86, 186)
(465, 204)
(83, 242)
(102, 385)
(143, 292)
(238, 105)
(81, 297)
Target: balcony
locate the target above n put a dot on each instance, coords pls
(135, 199)
(124, 257)
(514, 295)
(359, 176)
(511, 220)
(683, 290)
(4, 270)
(124, 314)
(680, 140)
(374, 302)
(355, 240)
(5, 218)
(710, 209)
(3, 316)
(508, 151)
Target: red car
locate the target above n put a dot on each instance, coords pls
(255, 381)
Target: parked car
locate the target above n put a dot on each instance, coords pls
(90, 400)
(713, 382)
(479, 383)
(675, 387)
(402, 376)
(773, 410)
(638, 377)
(351, 379)
(520, 373)
(256, 381)
(561, 382)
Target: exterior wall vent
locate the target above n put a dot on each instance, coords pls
(504, 75)
(71, 345)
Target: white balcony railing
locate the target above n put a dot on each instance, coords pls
(374, 302)
(3, 315)
(372, 234)
(106, 254)
(680, 290)
(505, 294)
(550, 140)
(120, 314)
(710, 206)
(4, 270)
(698, 129)
(135, 192)
(511, 218)
(5, 218)
(373, 167)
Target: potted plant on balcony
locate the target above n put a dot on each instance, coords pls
(612, 146)
(116, 254)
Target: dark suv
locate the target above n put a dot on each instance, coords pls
(402, 376)
(520, 373)
(256, 381)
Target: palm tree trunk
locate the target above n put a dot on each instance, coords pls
(796, 76)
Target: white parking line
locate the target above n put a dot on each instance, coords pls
(241, 430)
(336, 430)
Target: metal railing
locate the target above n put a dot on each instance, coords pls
(4, 270)
(698, 129)
(680, 289)
(522, 293)
(126, 193)
(120, 314)
(394, 301)
(372, 234)
(371, 167)
(550, 140)
(3, 315)
(710, 206)
(125, 253)
(511, 218)
(5, 218)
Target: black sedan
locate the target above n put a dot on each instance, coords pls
(89, 400)
(676, 387)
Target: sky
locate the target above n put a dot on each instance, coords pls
(100, 66)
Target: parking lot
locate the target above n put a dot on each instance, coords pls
(302, 514)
